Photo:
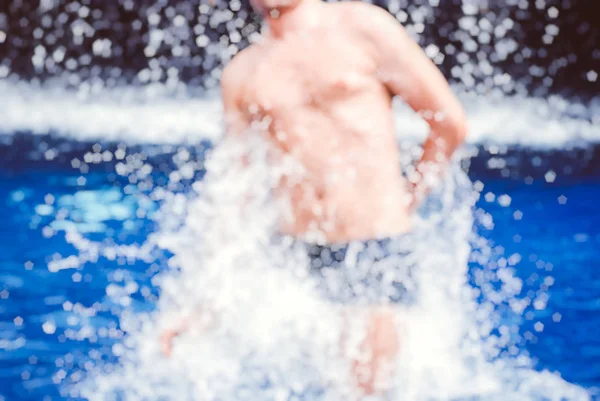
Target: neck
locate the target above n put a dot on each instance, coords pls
(288, 19)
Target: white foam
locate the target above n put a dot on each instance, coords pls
(271, 324)
(123, 114)
(131, 115)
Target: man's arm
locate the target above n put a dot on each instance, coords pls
(408, 73)
(234, 115)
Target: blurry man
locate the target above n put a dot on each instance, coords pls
(323, 76)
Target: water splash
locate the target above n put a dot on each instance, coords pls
(275, 338)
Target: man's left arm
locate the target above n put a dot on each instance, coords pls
(407, 72)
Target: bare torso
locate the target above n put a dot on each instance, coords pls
(330, 112)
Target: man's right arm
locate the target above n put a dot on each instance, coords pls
(232, 83)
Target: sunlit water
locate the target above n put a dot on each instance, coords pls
(122, 221)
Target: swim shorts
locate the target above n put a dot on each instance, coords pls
(365, 272)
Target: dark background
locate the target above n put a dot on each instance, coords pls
(565, 61)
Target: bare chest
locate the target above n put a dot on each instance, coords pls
(313, 72)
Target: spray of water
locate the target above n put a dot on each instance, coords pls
(258, 327)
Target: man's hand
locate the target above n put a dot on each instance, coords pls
(426, 175)
(166, 341)
(205, 319)
(167, 336)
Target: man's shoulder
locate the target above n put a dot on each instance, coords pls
(369, 21)
(360, 12)
(240, 65)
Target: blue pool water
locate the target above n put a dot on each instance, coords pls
(552, 222)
